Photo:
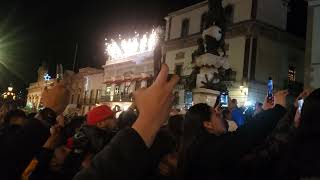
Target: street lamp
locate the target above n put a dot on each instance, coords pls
(9, 94)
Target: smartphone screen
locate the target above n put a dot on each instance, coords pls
(300, 104)
(270, 89)
(224, 98)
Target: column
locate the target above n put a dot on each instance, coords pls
(312, 58)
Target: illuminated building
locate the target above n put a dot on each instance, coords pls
(257, 45)
(130, 66)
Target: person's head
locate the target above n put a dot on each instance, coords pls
(126, 119)
(175, 125)
(234, 102)
(5, 108)
(202, 118)
(258, 107)
(15, 117)
(101, 117)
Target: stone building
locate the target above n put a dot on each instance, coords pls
(257, 45)
(123, 76)
(77, 83)
(312, 63)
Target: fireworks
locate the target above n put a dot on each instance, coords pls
(139, 44)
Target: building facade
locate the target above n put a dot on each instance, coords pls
(257, 45)
(124, 76)
(80, 85)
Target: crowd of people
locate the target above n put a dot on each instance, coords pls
(276, 140)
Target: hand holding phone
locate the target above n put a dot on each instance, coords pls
(224, 99)
(300, 104)
(270, 90)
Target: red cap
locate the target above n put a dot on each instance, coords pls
(98, 114)
(69, 143)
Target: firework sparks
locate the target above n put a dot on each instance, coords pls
(124, 48)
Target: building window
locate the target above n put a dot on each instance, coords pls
(203, 21)
(78, 99)
(229, 12)
(185, 28)
(85, 97)
(71, 100)
(292, 74)
(117, 90)
(127, 88)
(91, 96)
(108, 90)
(96, 101)
(178, 69)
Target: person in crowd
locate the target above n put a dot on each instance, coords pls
(20, 146)
(5, 108)
(97, 132)
(15, 117)
(127, 118)
(258, 108)
(232, 126)
(236, 112)
(305, 158)
(127, 155)
(209, 151)
(53, 161)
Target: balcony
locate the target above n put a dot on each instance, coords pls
(116, 98)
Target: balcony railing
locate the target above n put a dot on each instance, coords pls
(116, 98)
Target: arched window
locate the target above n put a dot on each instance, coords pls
(185, 28)
(203, 21)
(229, 12)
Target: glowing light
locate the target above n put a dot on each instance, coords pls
(248, 103)
(47, 77)
(124, 48)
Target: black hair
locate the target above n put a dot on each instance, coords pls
(192, 128)
(14, 114)
(175, 128)
(126, 119)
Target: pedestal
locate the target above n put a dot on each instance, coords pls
(209, 64)
(207, 96)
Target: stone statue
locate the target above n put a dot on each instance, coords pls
(215, 27)
(210, 70)
(192, 80)
(200, 51)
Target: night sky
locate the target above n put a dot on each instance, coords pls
(35, 31)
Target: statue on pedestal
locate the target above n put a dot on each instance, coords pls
(213, 36)
(210, 68)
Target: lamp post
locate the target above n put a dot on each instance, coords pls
(9, 94)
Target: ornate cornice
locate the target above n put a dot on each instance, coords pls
(246, 28)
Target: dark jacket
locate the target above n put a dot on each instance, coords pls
(42, 171)
(19, 145)
(269, 160)
(125, 157)
(215, 157)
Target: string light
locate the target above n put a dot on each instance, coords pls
(124, 48)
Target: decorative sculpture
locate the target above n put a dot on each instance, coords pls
(213, 37)
(214, 70)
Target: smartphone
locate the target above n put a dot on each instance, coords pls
(300, 104)
(270, 90)
(224, 99)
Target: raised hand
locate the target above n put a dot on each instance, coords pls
(279, 98)
(154, 105)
